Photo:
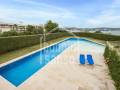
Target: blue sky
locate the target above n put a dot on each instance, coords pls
(78, 13)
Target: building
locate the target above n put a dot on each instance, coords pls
(21, 28)
(7, 27)
(4, 27)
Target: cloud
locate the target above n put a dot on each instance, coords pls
(35, 11)
(105, 20)
(47, 10)
(109, 17)
(40, 4)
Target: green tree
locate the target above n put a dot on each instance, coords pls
(49, 26)
(10, 33)
(98, 31)
(38, 30)
(30, 29)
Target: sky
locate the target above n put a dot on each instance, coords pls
(68, 13)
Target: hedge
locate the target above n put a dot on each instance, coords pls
(12, 43)
(16, 42)
(99, 36)
(113, 59)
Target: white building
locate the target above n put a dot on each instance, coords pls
(6, 27)
(18, 27)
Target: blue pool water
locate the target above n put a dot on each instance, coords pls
(17, 72)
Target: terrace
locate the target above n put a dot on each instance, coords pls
(65, 72)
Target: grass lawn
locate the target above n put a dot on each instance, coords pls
(17, 53)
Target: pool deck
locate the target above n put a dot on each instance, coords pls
(65, 73)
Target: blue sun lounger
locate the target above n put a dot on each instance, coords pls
(90, 59)
(82, 59)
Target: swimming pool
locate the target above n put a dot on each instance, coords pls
(20, 70)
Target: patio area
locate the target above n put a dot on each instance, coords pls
(65, 73)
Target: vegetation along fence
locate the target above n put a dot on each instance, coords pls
(16, 42)
(112, 57)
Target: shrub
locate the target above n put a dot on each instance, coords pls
(106, 53)
(114, 65)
